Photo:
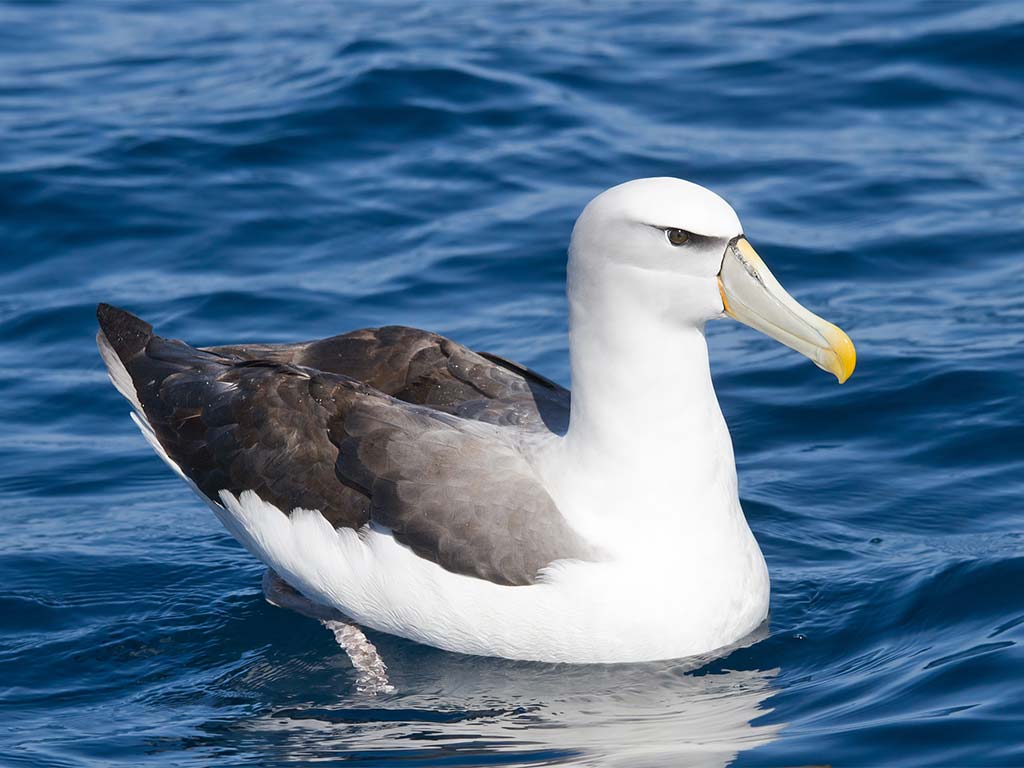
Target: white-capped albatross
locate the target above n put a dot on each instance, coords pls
(460, 500)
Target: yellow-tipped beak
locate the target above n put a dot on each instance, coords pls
(752, 295)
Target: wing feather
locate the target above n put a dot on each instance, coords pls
(415, 447)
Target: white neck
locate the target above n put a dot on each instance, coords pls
(645, 429)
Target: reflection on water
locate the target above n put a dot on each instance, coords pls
(454, 707)
(371, 671)
(650, 714)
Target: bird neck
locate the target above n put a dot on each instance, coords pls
(645, 427)
(642, 395)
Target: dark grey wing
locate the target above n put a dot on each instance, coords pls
(232, 424)
(454, 491)
(427, 369)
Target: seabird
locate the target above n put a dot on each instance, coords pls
(461, 500)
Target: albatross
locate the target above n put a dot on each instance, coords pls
(461, 500)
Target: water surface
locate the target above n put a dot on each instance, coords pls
(241, 171)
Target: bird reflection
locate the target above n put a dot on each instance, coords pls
(472, 709)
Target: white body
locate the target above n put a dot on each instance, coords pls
(645, 472)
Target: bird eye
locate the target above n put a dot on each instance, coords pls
(677, 236)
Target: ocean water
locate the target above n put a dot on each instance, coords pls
(246, 171)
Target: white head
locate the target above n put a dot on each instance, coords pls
(665, 251)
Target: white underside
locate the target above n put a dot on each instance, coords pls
(580, 612)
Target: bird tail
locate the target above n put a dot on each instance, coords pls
(122, 336)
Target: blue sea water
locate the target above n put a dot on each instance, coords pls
(246, 171)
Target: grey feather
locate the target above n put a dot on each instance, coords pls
(394, 426)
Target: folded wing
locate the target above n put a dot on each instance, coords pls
(454, 489)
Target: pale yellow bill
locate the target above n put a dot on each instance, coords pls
(752, 295)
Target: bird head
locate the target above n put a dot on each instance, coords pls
(685, 247)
